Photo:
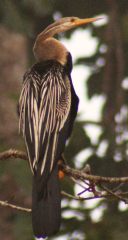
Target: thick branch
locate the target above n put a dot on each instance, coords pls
(77, 174)
(12, 153)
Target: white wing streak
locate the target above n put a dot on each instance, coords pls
(44, 106)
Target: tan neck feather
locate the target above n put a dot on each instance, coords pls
(50, 49)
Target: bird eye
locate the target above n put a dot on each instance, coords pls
(72, 19)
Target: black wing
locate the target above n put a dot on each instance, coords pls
(44, 106)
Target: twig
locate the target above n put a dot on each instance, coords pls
(6, 204)
(116, 195)
(12, 153)
(71, 196)
(78, 183)
(100, 196)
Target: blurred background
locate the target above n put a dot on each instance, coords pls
(100, 136)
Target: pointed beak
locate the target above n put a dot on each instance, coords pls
(79, 22)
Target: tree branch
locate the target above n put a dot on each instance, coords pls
(6, 204)
(89, 183)
(13, 153)
(77, 174)
(80, 175)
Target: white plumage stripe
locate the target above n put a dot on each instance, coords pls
(44, 107)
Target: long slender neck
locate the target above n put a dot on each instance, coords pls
(50, 49)
(46, 47)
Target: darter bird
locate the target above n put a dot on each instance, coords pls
(47, 109)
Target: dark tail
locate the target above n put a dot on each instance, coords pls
(46, 207)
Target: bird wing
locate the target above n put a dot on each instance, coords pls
(44, 107)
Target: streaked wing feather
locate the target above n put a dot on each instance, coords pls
(44, 107)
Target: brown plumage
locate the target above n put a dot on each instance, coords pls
(48, 106)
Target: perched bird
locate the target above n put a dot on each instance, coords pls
(47, 109)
